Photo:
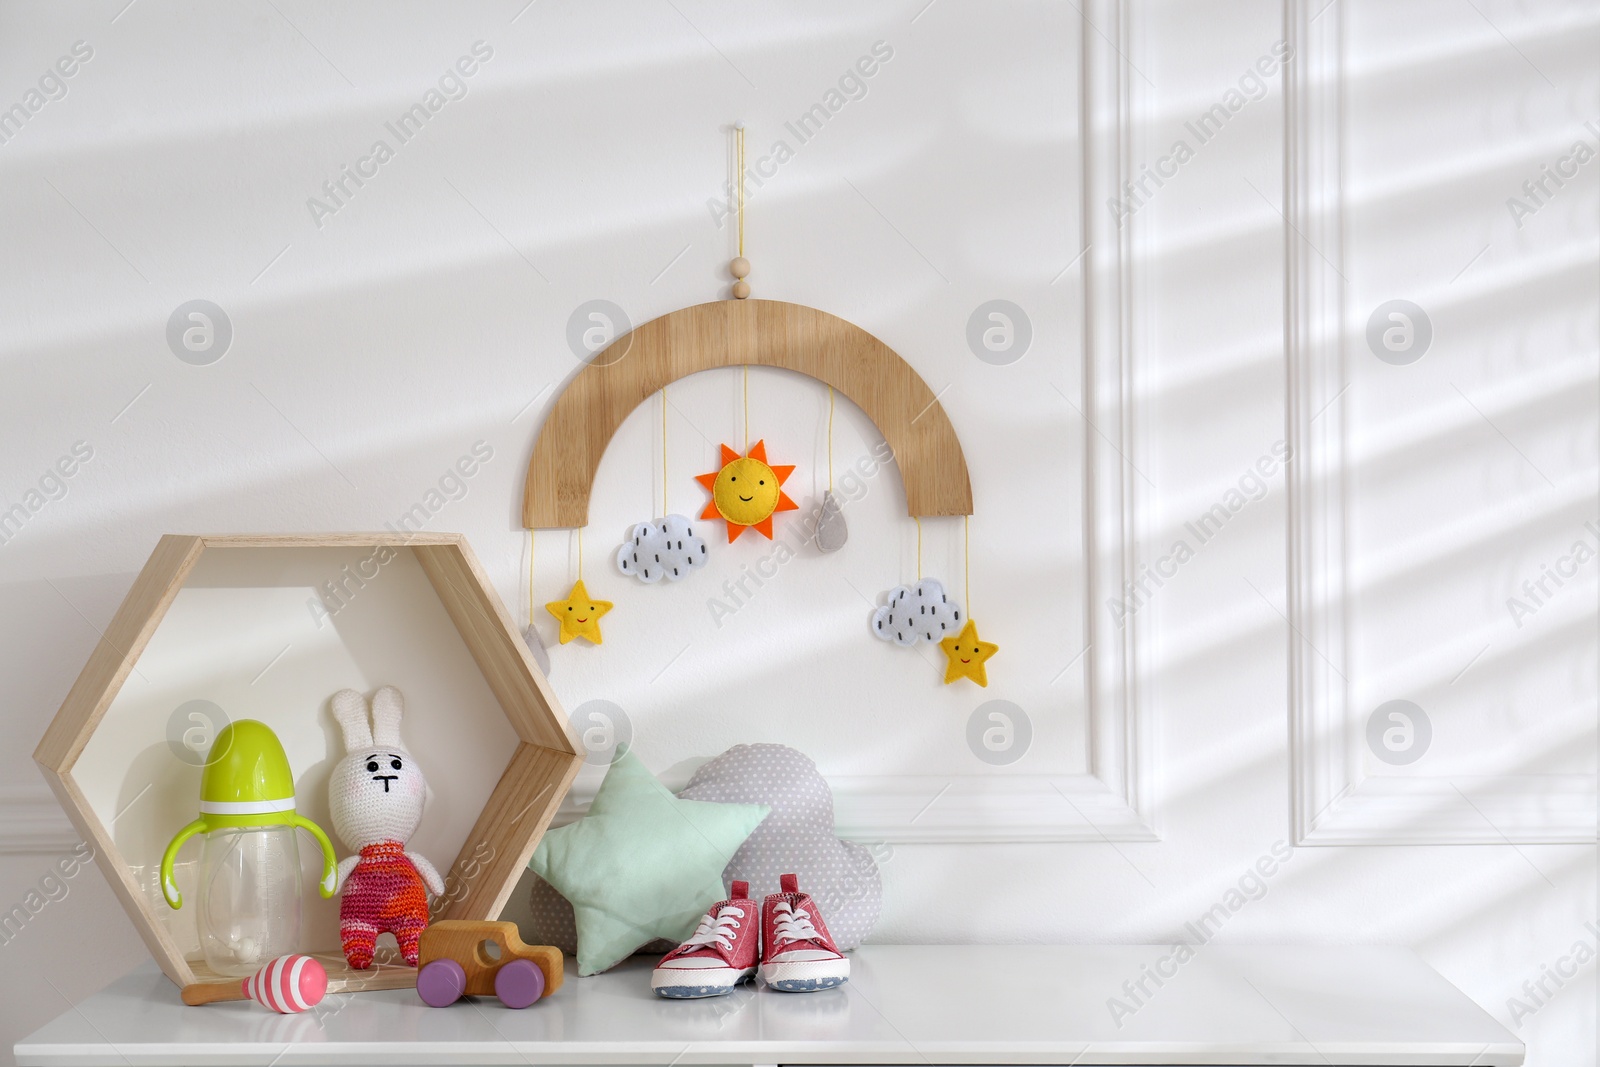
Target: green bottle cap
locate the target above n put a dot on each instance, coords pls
(247, 781)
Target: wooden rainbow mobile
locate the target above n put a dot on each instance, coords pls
(747, 490)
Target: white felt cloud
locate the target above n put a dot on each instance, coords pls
(662, 548)
(920, 612)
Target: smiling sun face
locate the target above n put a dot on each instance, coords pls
(747, 491)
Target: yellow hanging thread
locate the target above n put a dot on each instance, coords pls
(830, 438)
(580, 553)
(918, 521)
(966, 561)
(739, 140)
(747, 409)
(530, 577)
(663, 450)
(740, 267)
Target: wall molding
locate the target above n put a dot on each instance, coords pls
(1122, 726)
(978, 810)
(31, 822)
(963, 809)
(1498, 810)
(1333, 801)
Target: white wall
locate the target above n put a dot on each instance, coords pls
(372, 352)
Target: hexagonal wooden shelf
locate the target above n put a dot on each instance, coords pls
(269, 627)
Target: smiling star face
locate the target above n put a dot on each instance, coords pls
(579, 614)
(747, 491)
(966, 655)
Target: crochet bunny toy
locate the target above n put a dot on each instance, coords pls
(375, 797)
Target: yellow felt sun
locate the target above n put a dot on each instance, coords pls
(746, 491)
(967, 655)
(579, 614)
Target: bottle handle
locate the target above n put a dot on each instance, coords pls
(169, 885)
(330, 865)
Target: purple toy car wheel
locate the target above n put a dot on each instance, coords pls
(441, 983)
(519, 983)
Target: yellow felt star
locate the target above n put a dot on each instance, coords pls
(579, 614)
(967, 655)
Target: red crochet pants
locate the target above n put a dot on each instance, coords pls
(384, 892)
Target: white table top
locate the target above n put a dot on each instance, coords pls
(958, 1004)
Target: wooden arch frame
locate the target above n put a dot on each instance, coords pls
(736, 333)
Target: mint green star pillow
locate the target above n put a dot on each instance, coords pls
(642, 864)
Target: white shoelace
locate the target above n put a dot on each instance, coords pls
(790, 925)
(717, 929)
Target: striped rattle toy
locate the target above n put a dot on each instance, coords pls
(288, 985)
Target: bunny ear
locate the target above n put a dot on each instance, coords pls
(387, 707)
(350, 709)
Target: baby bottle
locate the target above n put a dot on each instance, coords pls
(249, 863)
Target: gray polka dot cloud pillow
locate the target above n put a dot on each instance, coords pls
(797, 838)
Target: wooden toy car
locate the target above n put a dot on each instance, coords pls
(458, 958)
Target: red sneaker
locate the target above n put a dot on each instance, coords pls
(798, 954)
(721, 953)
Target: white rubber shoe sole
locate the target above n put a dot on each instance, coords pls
(805, 976)
(688, 983)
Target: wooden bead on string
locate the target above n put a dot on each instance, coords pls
(740, 269)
